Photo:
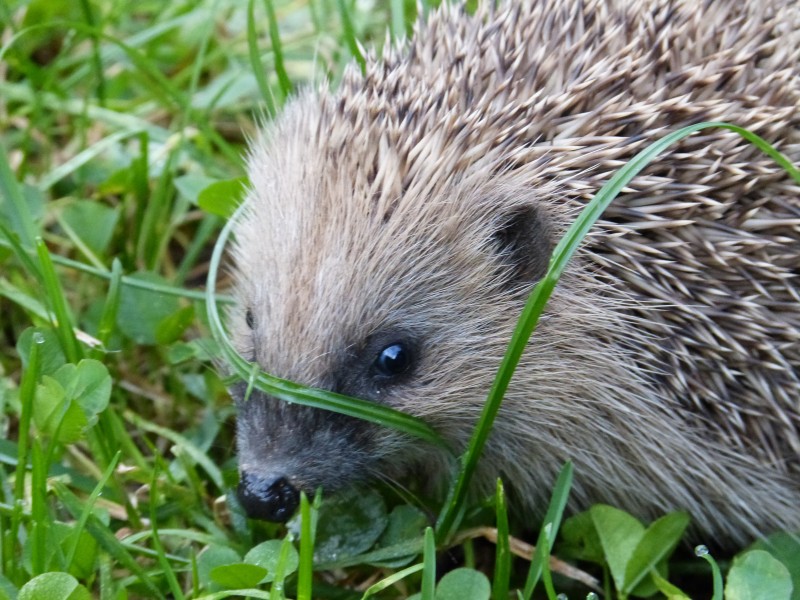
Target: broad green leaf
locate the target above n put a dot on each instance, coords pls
(579, 539)
(267, 554)
(191, 185)
(180, 352)
(672, 592)
(349, 523)
(53, 585)
(657, 543)
(210, 558)
(786, 548)
(92, 222)
(405, 523)
(222, 197)
(142, 311)
(757, 574)
(60, 536)
(88, 383)
(7, 589)
(238, 575)
(51, 356)
(619, 535)
(463, 584)
(54, 414)
(172, 327)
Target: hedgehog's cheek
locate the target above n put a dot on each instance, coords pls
(268, 499)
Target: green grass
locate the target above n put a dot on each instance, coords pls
(121, 136)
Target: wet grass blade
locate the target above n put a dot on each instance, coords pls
(702, 552)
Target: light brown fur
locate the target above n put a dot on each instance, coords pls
(666, 364)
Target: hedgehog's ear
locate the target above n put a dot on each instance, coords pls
(524, 242)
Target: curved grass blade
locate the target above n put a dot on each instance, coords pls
(702, 552)
(391, 580)
(294, 392)
(24, 255)
(564, 250)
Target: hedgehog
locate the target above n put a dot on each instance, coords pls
(394, 228)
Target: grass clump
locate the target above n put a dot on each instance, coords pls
(122, 131)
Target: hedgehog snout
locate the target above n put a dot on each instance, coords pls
(269, 499)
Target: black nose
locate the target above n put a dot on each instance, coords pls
(268, 499)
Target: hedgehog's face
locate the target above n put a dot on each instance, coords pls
(404, 297)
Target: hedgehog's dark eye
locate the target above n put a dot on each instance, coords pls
(249, 319)
(395, 359)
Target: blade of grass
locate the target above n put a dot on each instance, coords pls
(398, 21)
(550, 527)
(429, 566)
(166, 567)
(564, 250)
(87, 510)
(391, 580)
(39, 521)
(108, 318)
(502, 561)
(155, 214)
(58, 304)
(258, 69)
(19, 251)
(23, 255)
(197, 455)
(163, 90)
(349, 33)
(30, 377)
(82, 158)
(277, 50)
(208, 227)
(277, 592)
(96, 62)
(702, 552)
(307, 538)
